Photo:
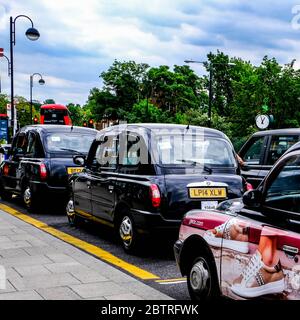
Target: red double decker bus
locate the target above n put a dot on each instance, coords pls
(55, 114)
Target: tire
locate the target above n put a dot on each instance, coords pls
(127, 233)
(202, 280)
(29, 198)
(72, 218)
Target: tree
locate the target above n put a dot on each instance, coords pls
(178, 90)
(23, 111)
(49, 101)
(124, 80)
(4, 100)
(76, 114)
(103, 104)
(144, 111)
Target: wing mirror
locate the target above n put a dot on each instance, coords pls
(252, 198)
(79, 160)
(245, 167)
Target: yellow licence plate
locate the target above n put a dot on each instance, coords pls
(208, 193)
(72, 170)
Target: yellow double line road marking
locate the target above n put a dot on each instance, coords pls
(171, 281)
(94, 250)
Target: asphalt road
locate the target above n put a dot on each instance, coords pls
(157, 257)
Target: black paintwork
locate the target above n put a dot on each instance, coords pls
(104, 194)
(255, 173)
(24, 168)
(278, 214)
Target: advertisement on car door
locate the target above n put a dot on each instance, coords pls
(257, 260)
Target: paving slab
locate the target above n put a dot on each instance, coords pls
(41, 266)
(58, 293)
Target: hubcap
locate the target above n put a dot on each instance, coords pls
(70, 211)
(126, 231)
(27, 196)
(200, 276)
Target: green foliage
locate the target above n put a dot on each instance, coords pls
(23, 112)
(76, 113)
(4, 100)
(144, 111)
(136, 92)
(49, 101)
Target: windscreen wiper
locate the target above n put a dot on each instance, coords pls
(194, 163)
(72, 150)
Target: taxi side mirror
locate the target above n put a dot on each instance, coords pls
(79, 160)
(245, 167)
(252, 198)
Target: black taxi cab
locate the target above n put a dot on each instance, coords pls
(142, 178)
(40, 162)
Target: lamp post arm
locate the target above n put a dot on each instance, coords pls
(8, 62)
(13, 26)
(36, 74)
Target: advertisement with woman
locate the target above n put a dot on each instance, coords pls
(257, 260)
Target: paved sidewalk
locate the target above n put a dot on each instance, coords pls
(40, 266)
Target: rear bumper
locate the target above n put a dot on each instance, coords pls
(149, 222)
(42, 189)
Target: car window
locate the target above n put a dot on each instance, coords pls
(68, 143)
(34, 147)
(21, 142)
(278, 146)
(284, 192)
(253, 153)
(189, 150)
(134, 156)
(107, 153)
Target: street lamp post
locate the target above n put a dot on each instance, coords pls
(31, 34)
(8, 68)
(41, 82)
(210, 90)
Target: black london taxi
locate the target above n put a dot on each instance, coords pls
(41, 161)
(248, 248)
(263, 149)
(142, 178)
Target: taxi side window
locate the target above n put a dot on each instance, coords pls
(284, 192)
(20, 144)
(34, 147)
(278, 146)
(254, 152)
(134, 155)
(106, 154)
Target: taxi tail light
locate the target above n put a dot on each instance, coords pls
(43, 171)
(185, 221)
(155, 195)
(249, 186)
(6, 170)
